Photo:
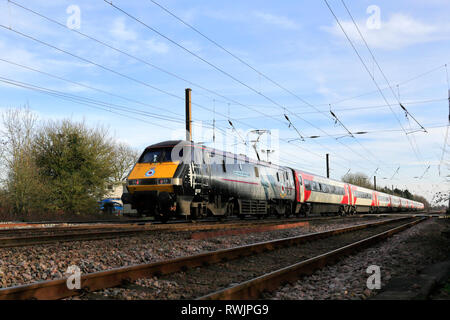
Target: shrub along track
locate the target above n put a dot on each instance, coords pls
(193, 282)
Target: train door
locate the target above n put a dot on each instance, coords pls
(350, 195)
(200, 171)
(299, 188)
(206, 170)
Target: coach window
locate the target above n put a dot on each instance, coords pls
(256, 172)
(278, 177)
(308, 185)
(300, 180)
(224, 166)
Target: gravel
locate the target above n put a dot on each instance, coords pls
(197, 282)
(405, 254)
(23, 265)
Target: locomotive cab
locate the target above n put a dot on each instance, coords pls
(152, 181)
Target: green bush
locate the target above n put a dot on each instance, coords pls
(57, 168)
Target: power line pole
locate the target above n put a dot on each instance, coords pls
(328, 165)
(375, 182)
(188, 114)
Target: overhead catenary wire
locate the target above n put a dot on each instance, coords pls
(395, 173)
(250, 66)
(104, 106)
(254, 69)
(104, 68)
(430, 126)
(373, 79)
(241, 122)
(351, 108)
(54, 93)
(86, 100)
(89, 87)
(103, 43)
(426, 170)
(259, 73)
(220, 70)
(96, 104)
(295, 128)
(122, 52)
(379, 67)
(83, 100)
(407, 113)
(95, 64)
(194, 54)
(386, 88)
(339, 121)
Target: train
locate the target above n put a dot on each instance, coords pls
(183, 179)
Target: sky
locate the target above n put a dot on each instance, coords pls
(139, 59)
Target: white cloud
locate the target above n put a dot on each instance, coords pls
(279, 21)
(191, 45)
(398, 32)
(120, 30)
(156, 46)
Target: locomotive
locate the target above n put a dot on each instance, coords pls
(180, 178)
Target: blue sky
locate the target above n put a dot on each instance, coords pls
(295, 43)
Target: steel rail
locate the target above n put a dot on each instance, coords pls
(72, 233)
(101, 234)
(43, 224)
(100, 223)
(252, 289)
(97, 225)
(8, 242)
(58, 289)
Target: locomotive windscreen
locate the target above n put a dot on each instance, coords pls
(156, 155)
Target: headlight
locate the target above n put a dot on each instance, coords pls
(163, 181)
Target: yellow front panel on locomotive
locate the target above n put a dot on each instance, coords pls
(152, 171)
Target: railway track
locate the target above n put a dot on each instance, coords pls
(36, 236)
(143, 221)
(253, 288)
(57, 289)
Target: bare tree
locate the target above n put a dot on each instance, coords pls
(358, 179)
(125, 158)
(20, 179)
